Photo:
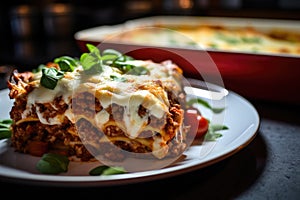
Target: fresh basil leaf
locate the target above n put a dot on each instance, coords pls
(95, 69)
(51, 163)
(123, 66)
(61, 161)
(214, 45)
(111, 52)
(91, 62)
(212, 133)
(205, 104)
(217, 110)
(251, 39)
(113, 170)
(66, 63)
(198, 101)
(110, 55)
(5, 131)
(50, 77)
(128, 67)
(117, 78)
(106, 170)
(124, 58)
(228, 39)
(138, 71)
(47, 167)
(88, 60)
(108, 58)
(212, 136)
(93, 48)
(98, 170)
(218, 127)
(6, 123)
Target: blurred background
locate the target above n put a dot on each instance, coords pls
(34, 32)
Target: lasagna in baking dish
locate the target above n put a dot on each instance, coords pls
(89, 106)
(213, 37)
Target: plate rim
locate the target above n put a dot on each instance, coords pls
(121, 179)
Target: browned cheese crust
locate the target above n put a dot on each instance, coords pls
(34, 133)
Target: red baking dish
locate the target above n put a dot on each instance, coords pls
(259, 76)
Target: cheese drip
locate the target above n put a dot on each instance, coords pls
(131, 92)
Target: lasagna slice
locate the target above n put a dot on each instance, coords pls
(134, 106)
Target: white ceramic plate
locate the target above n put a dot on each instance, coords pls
(239, 115)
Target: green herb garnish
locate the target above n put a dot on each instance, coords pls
(91, 62)
(251, 40)
(213, 131)
(117, 78)
(205, 104)
(228, 39)
(66, 63)
(138, 71)
(52, 163)
(213, 45)
(113, 170)
(110, 55)
(129, 68)
(122, 63)
(50, 77)
(5, 130)
(106, 170)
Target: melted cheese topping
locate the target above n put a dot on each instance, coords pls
(130, 92)
(243, 39)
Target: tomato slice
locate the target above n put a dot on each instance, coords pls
(202, 126)
(198, 124)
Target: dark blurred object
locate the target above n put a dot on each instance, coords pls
(25, 21)
(59, 20)
(44, 23)
(259, 4)
(269, 9)
(289, 4)
(179, 6)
